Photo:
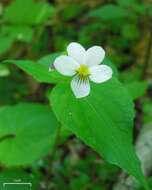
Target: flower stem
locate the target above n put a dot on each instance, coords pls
(147, 55)
(56, 142)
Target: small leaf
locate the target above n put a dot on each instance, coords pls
(19, 12)
(134, 5)
(110, 12)
(137, 89)
(130, 31)
(4, 71)
(147, 112)
(48, 59)
(19, 33)
(127, 3)
(27, 132)
(5, 43)
(71, 11)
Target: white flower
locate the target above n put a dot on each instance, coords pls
(83, 65)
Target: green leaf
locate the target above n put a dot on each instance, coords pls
(108, 62)
(149, 181)
(48, 59)
(5, 43)
(80, 183)
(39, 71)
(10, 34)
(137, 89)
(20, 33)
(130, 31)
(131, 75)
(134, 5)
(149, 10)
(27, 12)
(127, 3)
(103, 120)
(147, 112)
(4, 71)
(20, 176)
(71, 11)
(27, 132)
(110, 12)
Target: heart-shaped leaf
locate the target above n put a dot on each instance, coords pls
(27, 132)
(38, 71)
(103, 120)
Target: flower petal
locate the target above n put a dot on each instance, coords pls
(80, 88)
(94, 56)
(100, 73)
(76, 51)
(66, 65)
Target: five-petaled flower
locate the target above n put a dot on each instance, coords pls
(83, 65)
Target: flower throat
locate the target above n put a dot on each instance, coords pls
(83, 72)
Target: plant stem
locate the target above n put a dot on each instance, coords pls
(147, 55)
(56, 142)
(139, 110)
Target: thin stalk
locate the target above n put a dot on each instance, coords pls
(147, 55)
(56, 142)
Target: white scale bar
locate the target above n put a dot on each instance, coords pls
(30, 184)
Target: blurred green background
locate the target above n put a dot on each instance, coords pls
(32, 29)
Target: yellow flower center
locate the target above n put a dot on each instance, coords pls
(83, 71)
